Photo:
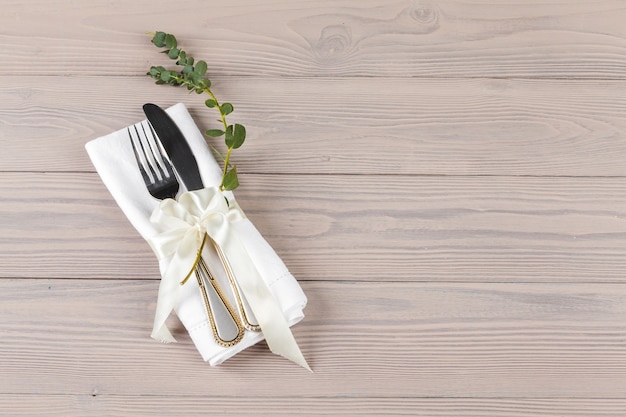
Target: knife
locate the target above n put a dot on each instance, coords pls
(175, 146)
(185, 164)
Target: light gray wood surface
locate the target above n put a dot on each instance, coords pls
(446, 179)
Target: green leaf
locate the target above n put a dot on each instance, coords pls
(170, 41)
(188, 68)
(230, 180)
(214, 133)
(159, 39)
(182, 58)
(206, 83)
(173, 53)
(200, 68)
(218, 153)
(154, 72)
(165, 76)
(193, 78)
(235, 136)
(210, 103)
(226, 108)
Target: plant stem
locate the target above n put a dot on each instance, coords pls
(223, 117)
(217, 104)
(226, 163)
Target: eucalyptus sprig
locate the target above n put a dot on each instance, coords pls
(192, 74)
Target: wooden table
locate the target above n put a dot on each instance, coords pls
(446, 179)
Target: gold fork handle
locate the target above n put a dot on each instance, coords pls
(225, 325)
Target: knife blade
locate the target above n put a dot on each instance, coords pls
(175, 145)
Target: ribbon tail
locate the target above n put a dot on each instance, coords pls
(265, 308)
(281, 341)
(165, 305)
(167, 299)
(169, 288)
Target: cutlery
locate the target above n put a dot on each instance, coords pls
(184, 162)
(160, 180)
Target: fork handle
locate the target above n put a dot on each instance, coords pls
(225, 325)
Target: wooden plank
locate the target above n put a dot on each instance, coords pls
(385, 340)
(353, 126)
(557, 39)
(18, 405)
(354, 228)
(69, 218)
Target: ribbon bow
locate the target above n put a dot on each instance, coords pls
(184, 224)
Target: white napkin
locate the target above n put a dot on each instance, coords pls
(113, 158)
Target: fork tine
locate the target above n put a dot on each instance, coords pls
(156, 170)
(140, 157)
(154, 153)
(158, 153)
(150, 154)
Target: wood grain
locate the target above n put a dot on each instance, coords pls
(445, 178)
(339, 126)
(536, 39)
(348, 228)
(191, 406)
(409, 340)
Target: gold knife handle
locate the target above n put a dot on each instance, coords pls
(249, 321)
(225, 325)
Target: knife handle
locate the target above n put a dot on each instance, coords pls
(225, 325)
(245, 312)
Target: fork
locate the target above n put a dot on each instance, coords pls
(160, 180)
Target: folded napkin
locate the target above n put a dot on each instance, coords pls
(113, 158)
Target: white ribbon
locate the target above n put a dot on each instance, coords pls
(183, 226)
